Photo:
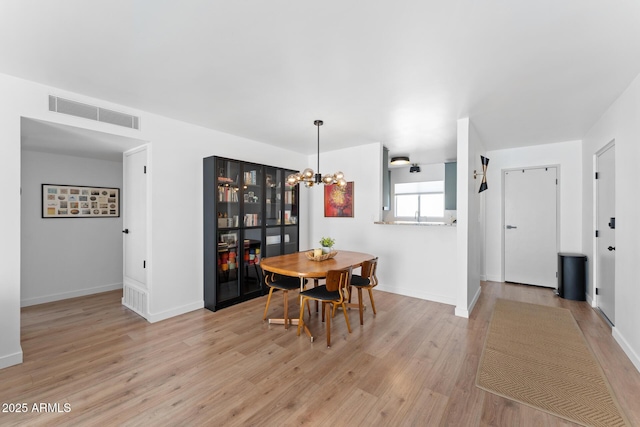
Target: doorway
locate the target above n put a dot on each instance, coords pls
(65, 257)
(530, 202)
(605, 259)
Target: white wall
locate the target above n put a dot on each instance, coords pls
(470, 226)
(175, 266)
(567, 155)
(67, 257)
(417, 261)
(622, 123)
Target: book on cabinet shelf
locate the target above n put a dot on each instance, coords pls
(227, 194)
(250, 178)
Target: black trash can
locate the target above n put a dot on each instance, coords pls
(572, 276)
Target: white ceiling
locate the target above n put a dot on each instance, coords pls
(397, 72)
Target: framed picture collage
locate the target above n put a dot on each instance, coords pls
(77, 201)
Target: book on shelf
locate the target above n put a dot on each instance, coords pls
(251, 220)
(227, 194)
(250, 178)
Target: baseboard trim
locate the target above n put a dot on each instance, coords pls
(474, 300)
(421, 295)
(72, 294)
(626, 347)
(11, 359)
(157, 317)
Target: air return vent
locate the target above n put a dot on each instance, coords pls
(78, 109)
(135, 299)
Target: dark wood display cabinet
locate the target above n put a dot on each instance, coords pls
(250, 212)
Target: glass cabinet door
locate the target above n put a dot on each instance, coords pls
(228, 264)
(228, 193)
(251, 255)
(290, 239)
(274, 241)
(252, 195)
(273, 196)
(290, 203)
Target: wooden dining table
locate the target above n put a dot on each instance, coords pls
(298, 265)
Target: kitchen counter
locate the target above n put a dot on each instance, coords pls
(421, 223)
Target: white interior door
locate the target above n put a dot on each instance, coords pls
(530, 226)
(135, 218)
(605, 212)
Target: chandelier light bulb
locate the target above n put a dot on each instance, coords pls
(307, 173)
(327, 179)
(342, 182)
(338, 176)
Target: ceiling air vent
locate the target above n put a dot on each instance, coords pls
(78, 109)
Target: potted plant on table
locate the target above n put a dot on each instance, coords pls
(327, 244)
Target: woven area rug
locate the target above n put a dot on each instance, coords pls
(538, 356)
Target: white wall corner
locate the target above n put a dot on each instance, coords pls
(466, 312)
(462, 312)
(462, 229)
(473, 302)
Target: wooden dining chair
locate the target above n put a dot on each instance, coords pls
(366, 280)
(285, 284)
(334, 292)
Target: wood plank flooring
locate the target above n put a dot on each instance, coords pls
(414, 364)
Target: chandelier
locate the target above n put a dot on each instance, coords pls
(310, 178)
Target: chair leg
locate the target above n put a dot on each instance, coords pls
(266, 308)
(373, 304)
(350, 293)
(301, 319)
(323, 306)
(286, 309)
(346, 316)
(360, 306)
(328, 327)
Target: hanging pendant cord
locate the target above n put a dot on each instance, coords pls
(318, 169)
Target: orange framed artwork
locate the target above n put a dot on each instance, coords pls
(338, 201)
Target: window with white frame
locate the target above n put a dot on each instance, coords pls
(419, 201)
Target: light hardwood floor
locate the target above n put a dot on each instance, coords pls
(414, 364)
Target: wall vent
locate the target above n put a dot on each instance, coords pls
(91, 112)
(135, 299)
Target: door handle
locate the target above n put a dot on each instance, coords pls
(509, 227)
(611, 248)
(125, 231)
